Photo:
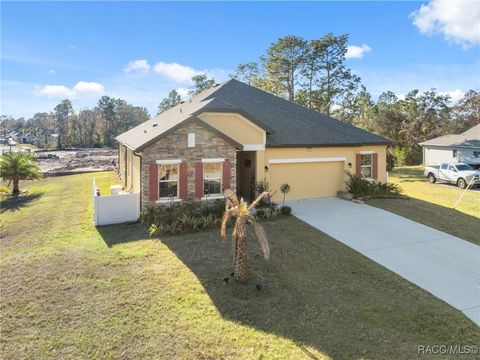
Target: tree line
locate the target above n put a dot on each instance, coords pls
(407, 121)
(312, 73)
(97, 127)
(64, 128)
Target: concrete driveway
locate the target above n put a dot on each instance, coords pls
(444, 265)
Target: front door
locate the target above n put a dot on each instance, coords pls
(246, 174)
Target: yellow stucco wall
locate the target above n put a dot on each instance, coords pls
(136, 178)
(132, 170)
(236, 127)
(309, 178)
(129, 170)
(122, 163)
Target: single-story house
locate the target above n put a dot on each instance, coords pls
(234, 135)
(13, 134)
(28, 138)
(453, 148)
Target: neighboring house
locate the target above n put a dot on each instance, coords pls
(28, 138)
(454, 148)
(233, 135)
(13, 134)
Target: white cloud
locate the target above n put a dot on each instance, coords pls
(458, 20)
(140, 65)
(89, 87)
(16, 97)
(176, 72)
(357, 52)
(455, 95)
(52, 71)
(72, 47)
(183, 92)
(54, 91)
(82, 88)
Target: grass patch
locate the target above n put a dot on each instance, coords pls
(414, 184)
(72, 291)
(431, 204)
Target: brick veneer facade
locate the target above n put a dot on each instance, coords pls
(175, 146)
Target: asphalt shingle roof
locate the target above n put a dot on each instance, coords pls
(155, 127)
(469, 138)
(286, 123)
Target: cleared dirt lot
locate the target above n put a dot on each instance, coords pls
(71, 161)
(76, 160)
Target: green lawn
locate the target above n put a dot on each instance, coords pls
(69, 291)
(431, 204)
(414, 184)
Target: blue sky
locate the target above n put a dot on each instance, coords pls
(139, 51)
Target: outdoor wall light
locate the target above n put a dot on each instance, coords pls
(350, 165)
(266, 168)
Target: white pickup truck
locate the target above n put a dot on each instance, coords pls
(460, 174)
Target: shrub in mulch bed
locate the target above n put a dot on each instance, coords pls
(365, 189)
(286, 210)
(188, 217)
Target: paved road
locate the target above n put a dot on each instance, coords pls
(444, 265)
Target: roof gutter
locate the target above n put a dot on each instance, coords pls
(125, 144)
(141, 160)
(387, 143)
(450, 146)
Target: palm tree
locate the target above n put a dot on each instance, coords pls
(16, 166)
(240, 210)
(285, 189)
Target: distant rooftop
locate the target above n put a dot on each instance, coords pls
(469, 138)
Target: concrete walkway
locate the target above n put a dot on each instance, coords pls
(444, 265)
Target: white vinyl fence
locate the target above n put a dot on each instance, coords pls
(115, 209)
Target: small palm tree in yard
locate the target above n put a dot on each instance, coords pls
(285, 189)
(241, 211)
(16, 166)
